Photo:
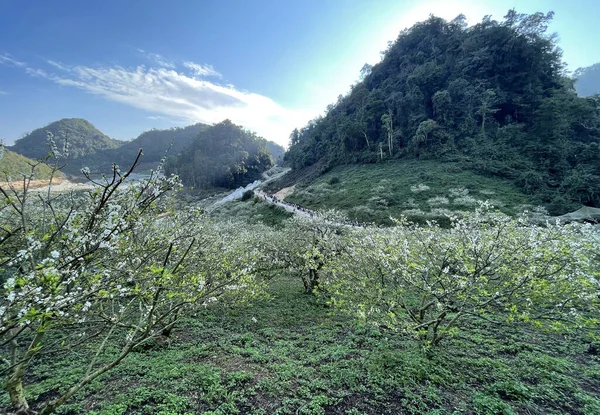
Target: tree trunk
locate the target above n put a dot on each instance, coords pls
(312, 282)
(14, 385)
(367, 139)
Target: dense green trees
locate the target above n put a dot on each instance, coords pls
(224, 155)
(82, 137)
(155, 144)
(494, 96)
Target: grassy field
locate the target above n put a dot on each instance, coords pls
(289, 355)
(252, 211)
(14, 165)
(420, 190)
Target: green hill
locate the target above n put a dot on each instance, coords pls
(13, 166)
(418, 189)
(223, 155)
(493, 97)
(277, 152)
(82, 137)
(89, 147)
(154, 144)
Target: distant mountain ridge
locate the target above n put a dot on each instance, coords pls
(89, 147)
(588, 80)
(82, 137)
(155, 144)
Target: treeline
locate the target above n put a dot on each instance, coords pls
(494, 96)
(155, 144)
(224, 155)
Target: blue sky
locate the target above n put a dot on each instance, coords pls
(128, 66)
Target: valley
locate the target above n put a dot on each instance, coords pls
(430, 244)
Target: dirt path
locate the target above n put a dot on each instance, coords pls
(286, 191)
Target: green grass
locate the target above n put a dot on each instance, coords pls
(297, 358)
(14, 165)
(252, 211)
(374, 192)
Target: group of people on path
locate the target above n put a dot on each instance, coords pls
(292, 207)
(295, 208)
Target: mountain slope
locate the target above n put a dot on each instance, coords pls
(13, 166)
(223, 155)
(82, 137)
(277, 151)
(492, 97)
(154, 144)
(588, 80)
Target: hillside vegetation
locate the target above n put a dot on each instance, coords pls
(155, 144)
(419, 189)
(493, 97)
(224, 155)
(89, 147)
(82, 137)
(14, 166)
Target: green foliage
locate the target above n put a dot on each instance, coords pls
(14, 166)
(224, 155)
(81, 136)
(247, 195)
(116, 263)
(252, 211)
(297, 358)
(493, 95)
(374, 192)
(277, 152)
(333, 180)
(155, 144)
(427, 280)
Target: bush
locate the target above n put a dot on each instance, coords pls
(247, 195)
(333, 180)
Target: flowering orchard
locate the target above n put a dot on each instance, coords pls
(108, 270)
(115, 266)
(427, 280)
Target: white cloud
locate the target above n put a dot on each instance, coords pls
(175, 95)
(158, 59)
(3, 92)
(57, 65)
(40, 73)
(6, 59)
(202, 70)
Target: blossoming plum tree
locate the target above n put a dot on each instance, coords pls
(428, 280)
(115, 265)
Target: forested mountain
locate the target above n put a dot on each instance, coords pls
(493, 96)
(588, 80)
(154, 144)
(82, 137)
(277, 151)
(223, 155)
(89, 147)
(13, 166)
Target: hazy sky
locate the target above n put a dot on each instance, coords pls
(128, 66)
